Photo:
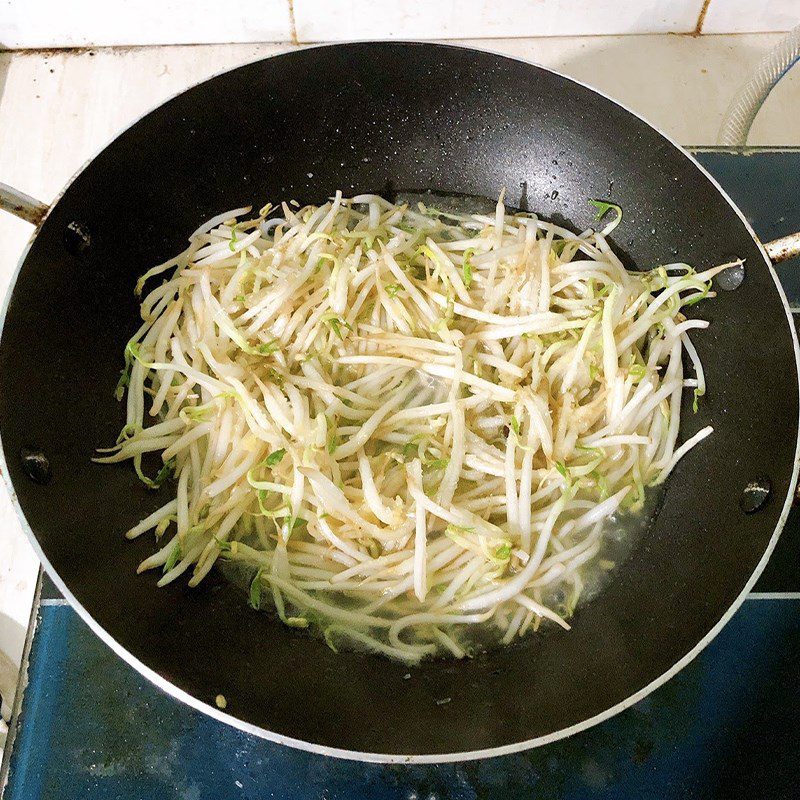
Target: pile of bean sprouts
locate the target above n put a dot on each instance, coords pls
(404, 424)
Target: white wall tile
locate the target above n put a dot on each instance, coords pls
(325, 20)
(680, 84)
(751, 16)
(89, 23)
(97, 23)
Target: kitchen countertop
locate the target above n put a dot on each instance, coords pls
(57, 108)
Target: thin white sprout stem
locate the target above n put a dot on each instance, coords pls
(407, 423)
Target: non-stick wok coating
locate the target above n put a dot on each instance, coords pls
(390, 117)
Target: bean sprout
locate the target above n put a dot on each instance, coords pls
(404, 423)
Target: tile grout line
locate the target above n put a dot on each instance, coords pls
(701, 18)
(292, 22)
(35, 51)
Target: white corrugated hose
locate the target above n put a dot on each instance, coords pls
(747, 103)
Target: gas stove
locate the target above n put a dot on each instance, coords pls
(87, 725)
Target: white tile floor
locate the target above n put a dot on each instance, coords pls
(57, 109)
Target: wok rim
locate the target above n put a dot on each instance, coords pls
(398, 758)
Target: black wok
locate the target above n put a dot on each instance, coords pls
(390, 118)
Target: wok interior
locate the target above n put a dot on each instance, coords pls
(388, 118)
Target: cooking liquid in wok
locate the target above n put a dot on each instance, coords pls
(621, 535)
